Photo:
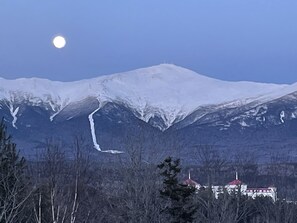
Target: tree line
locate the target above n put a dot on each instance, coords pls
(56, 188)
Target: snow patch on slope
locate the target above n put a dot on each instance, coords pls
(282, 116)
(13, 113)
(92, 126)
(93, 133)
(56, 111)
(243, 123)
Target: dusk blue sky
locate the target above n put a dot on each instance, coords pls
(227, 39)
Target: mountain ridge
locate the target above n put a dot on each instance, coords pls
(164, 97)
(179, 91)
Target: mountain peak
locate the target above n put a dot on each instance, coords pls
(167, 69)
(167, 73)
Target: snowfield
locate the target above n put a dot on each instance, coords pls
(167, 90)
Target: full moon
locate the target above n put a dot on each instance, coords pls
(59, 42)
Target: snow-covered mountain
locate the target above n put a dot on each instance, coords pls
(167, 90)
(165, 97)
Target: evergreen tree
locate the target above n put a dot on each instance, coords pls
(179, 205)
(12, 186)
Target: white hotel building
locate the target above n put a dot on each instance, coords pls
(237, 185)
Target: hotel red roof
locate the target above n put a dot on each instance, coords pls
(191, 182)
(235, 182)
